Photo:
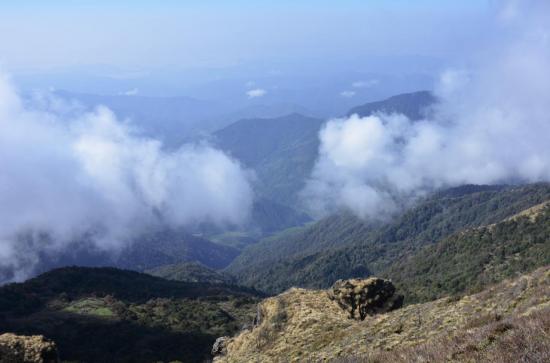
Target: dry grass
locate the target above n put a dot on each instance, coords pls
(507, 323)
(517, 339)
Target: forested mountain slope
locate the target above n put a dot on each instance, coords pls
(281, 151)
(471, 259)
(191, 272)
(353, 249)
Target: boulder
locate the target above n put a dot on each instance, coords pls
(363, 297)
(27, 349)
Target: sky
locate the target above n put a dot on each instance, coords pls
(39, 35)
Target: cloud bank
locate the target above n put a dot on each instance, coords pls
(94, 176)
(492, 125)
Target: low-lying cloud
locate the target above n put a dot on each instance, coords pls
(492, 125)
(94, 175)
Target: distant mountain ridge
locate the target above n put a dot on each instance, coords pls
(283, 150)
(414, 105)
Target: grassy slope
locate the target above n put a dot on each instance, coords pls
(305, 325)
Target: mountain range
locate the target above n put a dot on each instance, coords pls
(470, 262)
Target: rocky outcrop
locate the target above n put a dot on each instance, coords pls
(363, 297)
(27, 349)
(219, 346)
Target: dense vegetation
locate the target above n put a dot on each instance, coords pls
(355, 249)
(469, 260)
(111, 315)
(191, 272)
(331, 232)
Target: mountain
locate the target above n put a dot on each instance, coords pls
(191, 272)
(150, 250)
(111, 315)
(507, 322)
(283, 150)
(344, 246)
(414, 105)
(178, 119)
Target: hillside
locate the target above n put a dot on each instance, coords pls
(353, 248)
(171, 246)
(190, 272)
(292, 243)
(507, 322)
(282, 151)
(472, 259)
(106, 314)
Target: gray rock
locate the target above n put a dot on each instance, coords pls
(219, 347)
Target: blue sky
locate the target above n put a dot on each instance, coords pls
(148, 34)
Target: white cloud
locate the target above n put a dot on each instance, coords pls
(131, 92)
(93, 175)
(492, 126)
(347, 94)
(365, 84)
(255, 93)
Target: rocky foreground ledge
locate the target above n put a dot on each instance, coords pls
(350, 321)
(27, 349)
